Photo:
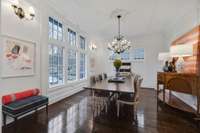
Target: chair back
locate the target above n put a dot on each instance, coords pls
(132, 74)
(105, 76)
(96, 78)
(92, 80)
(137, 85)
(100, 77)
(135, 77)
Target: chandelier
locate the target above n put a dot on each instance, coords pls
(119, 44)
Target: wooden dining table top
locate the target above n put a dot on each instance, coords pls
(104, 85)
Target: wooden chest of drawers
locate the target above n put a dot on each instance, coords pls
(180, 82)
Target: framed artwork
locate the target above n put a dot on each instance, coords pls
(18, 57)
(92, 65)
(125, 56)
(138, 54)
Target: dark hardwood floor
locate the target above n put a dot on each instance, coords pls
(74, 115)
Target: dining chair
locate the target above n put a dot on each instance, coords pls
(97, 78)
(105, 76)
(132, 99)
(100, 77)
(132, 74)
(99, 98)
(92, 80)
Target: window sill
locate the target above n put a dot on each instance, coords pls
(56, 86)
(84, 79)
(68, 84)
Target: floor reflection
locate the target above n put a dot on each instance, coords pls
(75, 115)
(140, 119)
(56, 124)
(69, 121)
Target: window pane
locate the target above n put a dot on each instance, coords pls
(72, 37)
(125, 55)
(72, 65)
(50, 28)
(55, 30)
(60, 32)
(56, 73)
(82, 42)
(82, 66)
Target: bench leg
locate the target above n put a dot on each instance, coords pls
(47, 110)
(15, 119)
(4, 119)
(15, 122)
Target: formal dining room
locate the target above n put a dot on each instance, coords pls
(99, 66)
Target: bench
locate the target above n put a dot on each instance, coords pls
(18, 104)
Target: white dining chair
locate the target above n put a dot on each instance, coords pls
(131, 99)
(99, 99)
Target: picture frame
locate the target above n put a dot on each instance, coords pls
(138, 54)
(18, 57)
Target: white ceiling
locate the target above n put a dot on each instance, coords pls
(145, 16)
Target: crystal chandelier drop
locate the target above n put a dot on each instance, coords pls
(119, 44)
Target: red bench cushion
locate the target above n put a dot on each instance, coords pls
(20, 95)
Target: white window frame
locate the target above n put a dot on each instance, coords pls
(85, 77)
(71, 81)
(60, 44)
(83, 51)
(64, 43)
(61, 84)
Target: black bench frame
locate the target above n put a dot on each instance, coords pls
(5, 114)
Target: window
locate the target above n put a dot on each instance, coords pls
(75, 67)
(56, 61)
(72, 37)
(123, 56)
(82, 66)
(138, 54)
(56, 73)
(72, 65)
(50, 28)
(55, 29)
(60, 32)
(82, 43)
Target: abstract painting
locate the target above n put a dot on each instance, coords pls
(138, 54)
(18, 57)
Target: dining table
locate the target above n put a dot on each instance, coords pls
(114, 87)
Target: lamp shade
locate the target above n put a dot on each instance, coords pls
(31, 10)
(164, 56)
(181, 50)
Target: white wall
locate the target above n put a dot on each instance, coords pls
(36, 31)
(100, 57)
(24, 30)
(187, 23)
(152, 44)
(0, 78)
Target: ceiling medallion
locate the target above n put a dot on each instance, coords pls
(119, 44)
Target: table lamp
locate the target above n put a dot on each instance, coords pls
(163, 56)
(180, 51)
